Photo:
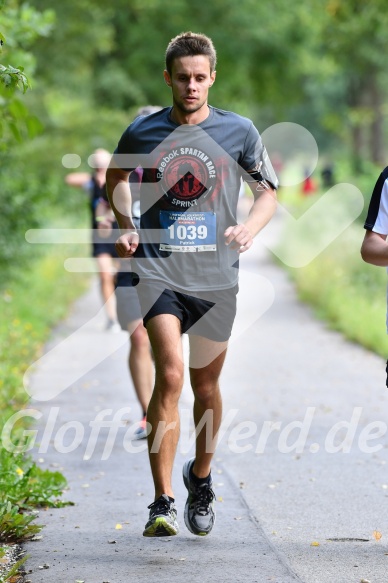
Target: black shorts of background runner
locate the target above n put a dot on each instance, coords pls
(105, 245)
(104, 249)
(203, 313)
(127, 301)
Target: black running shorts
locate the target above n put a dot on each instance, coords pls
(203, 313)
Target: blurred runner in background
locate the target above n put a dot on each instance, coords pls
(104, 251)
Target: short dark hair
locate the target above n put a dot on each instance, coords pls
(190, 44)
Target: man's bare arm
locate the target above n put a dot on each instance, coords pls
(241, 236)
(119, 196)
(77, 179)
(374, 249)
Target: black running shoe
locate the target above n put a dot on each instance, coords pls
(162, 520)
(199, 509)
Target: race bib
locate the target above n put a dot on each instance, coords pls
(188, 232)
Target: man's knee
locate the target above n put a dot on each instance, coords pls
(205, 382)
(170, 379)
(106, 276)
(205, 392)
(139, 337)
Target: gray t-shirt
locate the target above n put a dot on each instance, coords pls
(189, 193)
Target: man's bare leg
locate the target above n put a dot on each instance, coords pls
(207, 398)
(199, 508)
(106, 274)
(140, 363)
(165, 337)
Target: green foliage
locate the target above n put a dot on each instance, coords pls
(23, 25)
(364, 181)
(24, 485)
(358, 71)
(22, 204)
(15, 525)
(14, 569)
(23, 328)
(83, 35)
(276, 61)
(14, 78)
(17, 123)
(25, 324)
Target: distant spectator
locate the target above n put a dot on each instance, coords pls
(308, 185)
(327, 176)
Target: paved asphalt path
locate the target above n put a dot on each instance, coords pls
(290, 508)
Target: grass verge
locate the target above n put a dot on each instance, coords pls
(32, 303)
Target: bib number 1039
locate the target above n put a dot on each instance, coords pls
(189, 232)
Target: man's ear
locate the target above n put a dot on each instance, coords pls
(212, 77)
(167, 77)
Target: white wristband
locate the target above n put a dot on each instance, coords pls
(128, 231)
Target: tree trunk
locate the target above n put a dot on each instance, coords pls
(357, 144)
(356, 102)
(376, 127)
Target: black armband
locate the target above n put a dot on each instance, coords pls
(255, 176)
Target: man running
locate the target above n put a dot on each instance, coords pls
(186, 256)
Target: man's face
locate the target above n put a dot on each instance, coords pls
(190, 80)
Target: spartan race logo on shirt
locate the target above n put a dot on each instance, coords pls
(185, 175)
